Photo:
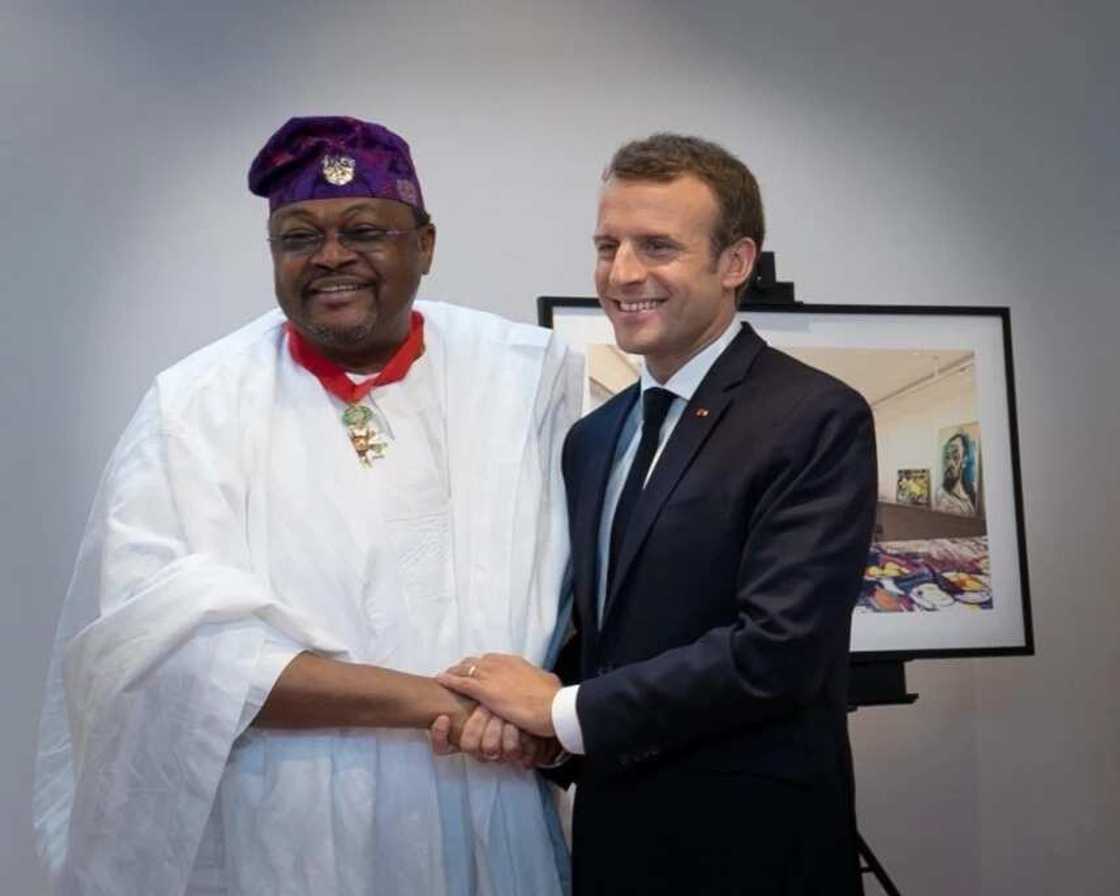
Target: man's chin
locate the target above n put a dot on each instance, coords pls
(634, 341)
(339, 335)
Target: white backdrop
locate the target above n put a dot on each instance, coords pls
(908, 153)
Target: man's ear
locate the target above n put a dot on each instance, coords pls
(427, 239)
(737, 262)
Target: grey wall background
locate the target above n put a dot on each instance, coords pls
(958, 152)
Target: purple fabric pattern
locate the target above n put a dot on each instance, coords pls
(324, 157)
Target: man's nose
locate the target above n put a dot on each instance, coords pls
(332, 252)
(626, 267)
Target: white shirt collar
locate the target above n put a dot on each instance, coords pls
(685, 381)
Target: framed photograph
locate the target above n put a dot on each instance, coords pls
(947, 571)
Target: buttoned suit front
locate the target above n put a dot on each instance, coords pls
(712, 694)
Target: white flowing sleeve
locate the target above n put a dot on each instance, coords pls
(167, 640)
(274, 656)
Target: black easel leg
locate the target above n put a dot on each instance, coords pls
(874, 867)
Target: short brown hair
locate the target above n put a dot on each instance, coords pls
(665, 157)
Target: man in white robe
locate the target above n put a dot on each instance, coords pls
(242, 677)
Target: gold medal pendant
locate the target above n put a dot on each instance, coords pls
(368, 442)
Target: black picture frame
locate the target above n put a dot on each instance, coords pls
(829, 331)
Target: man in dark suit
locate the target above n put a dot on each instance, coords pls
(721, 512)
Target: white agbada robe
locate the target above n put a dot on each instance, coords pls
(234, 527)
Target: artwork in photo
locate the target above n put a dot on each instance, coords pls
(923, 559)
(958, 489)
(946, 573)
(913, 487)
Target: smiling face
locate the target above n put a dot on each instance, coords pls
(351, 298)
(665, 292)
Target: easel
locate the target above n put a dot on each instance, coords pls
(876, 683)
(872, 683)
(764, 288)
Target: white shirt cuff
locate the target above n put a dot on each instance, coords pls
(566, 722)
(271, 661)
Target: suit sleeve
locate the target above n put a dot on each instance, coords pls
(799, 575)
(567, 662)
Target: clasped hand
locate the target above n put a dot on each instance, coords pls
(513, 719)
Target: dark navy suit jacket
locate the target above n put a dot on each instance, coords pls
(714, 688)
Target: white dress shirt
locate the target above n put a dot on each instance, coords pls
(683, 384)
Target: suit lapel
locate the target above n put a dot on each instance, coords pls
(603, 433)
(700, 417)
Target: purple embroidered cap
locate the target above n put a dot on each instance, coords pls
(324, 157)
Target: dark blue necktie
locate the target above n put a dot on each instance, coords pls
(655, 405)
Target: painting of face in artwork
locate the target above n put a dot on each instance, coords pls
(958, 488)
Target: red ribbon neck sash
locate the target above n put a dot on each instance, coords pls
(334, 378)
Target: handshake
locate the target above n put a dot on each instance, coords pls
(512, 721)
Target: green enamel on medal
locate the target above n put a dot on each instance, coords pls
(368, 442)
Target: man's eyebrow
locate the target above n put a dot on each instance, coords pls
(303, 214)
(292, 215)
